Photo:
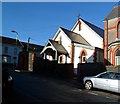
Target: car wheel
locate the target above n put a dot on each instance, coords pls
(88, 85)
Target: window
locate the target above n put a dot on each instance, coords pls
(119, 30)
(118, 52)
(83, 57)
(60, 59)
(6, 50)
(108, 75)
(117, 76)
(14, 59)
(15, 51)
(6, 59)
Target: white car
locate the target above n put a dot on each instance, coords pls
(109, 80)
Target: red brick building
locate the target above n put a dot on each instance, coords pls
(112, 37)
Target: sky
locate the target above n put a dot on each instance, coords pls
(41, 20)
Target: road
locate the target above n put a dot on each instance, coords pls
(30, 87)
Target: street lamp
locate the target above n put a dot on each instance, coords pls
(16, 36)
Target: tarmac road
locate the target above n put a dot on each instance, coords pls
(29, 87)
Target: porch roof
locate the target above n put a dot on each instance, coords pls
(58, 47)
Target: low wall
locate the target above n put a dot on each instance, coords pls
(52, 68)
(113, 68)
(89, 69)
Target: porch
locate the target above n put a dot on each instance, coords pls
(54, 51)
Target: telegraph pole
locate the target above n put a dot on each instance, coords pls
(28, 44)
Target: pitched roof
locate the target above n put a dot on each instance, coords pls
(58, 47)
(114, 13)
(10, 41)
(97, 29)
(77, 38)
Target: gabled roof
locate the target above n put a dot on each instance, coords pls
(58, 47)
(98, 30)
(77, 38)
(114, 13)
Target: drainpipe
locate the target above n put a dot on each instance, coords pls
(107, 43)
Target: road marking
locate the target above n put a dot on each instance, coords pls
(17, 70)
(92, 93)
(77, 90)
(108, 97)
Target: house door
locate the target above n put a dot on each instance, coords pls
(117, 57)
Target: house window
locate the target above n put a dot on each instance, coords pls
(79, 23)
(119, 30)
(15, 51)
(6, 50)
(60, 59)
(117, 57)
(83, 57)
(6, 59)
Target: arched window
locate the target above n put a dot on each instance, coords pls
(119, 30)
(83, 57)
(60, 59)
(118, 52)
(117, 57)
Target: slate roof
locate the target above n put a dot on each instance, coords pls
(98, 30)
(58, 47)
(114, 13)
(10, 41)
(77, 38)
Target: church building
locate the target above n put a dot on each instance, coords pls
(82, 44)
(112, 37)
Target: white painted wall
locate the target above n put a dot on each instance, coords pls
(78, 49)
(11, 51)
(66, 42)
(88, 34)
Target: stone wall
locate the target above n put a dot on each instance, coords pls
(113, 68)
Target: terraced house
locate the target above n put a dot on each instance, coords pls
(13, 53)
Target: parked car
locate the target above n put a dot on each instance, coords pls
(7, 80)
(108, 80)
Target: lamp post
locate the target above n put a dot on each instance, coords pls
(16, 36)
(16, 46)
